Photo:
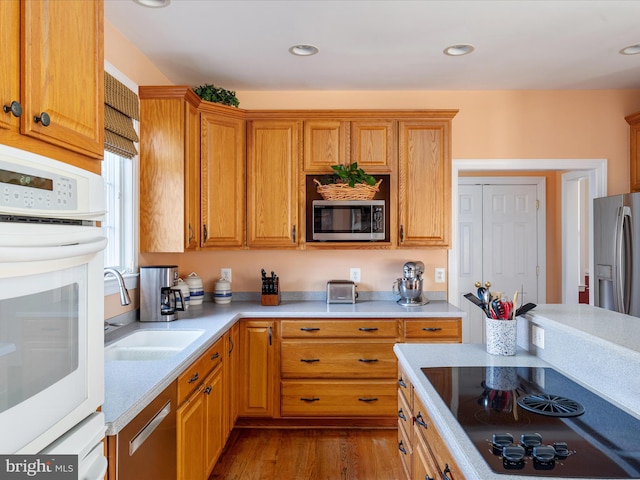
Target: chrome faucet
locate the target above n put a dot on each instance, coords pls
(124, 294)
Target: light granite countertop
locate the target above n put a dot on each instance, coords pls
(131, 385)
(596, 348)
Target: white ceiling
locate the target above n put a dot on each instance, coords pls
(386, 44)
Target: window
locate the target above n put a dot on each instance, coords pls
(119, 176)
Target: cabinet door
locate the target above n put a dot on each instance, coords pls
(191, 437)
(223, 180)
(10, 55)
(272, 183)
(634, 153)
(373, 145)
(214, 407)
(326, 143)
(63, 73)
(232, 366)
(169, 170)
(424, 465)
(257, 368)
(424, 184)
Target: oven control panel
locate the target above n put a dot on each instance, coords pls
(26, 188)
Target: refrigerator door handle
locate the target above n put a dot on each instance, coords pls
(623, 261)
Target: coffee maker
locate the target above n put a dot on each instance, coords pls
(158, 293)
(409, 287)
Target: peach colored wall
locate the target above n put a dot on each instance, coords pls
(490, 124)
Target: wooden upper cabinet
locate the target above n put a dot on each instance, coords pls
(634, 153)
(326, 143)
(424, 183)
(370, 143)
(223, 177)
(9, 62)
(63, 74)
(373, 145)
(272, 183)
(169, 169)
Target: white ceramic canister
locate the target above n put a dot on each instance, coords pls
(222, 292)
(196, 289)
(186, 294)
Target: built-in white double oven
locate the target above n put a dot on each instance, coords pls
(51, 308)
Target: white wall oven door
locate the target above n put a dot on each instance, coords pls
(51, 334)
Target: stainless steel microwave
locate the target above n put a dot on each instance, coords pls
(349, 220)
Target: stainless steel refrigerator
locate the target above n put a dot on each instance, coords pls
(617, 253)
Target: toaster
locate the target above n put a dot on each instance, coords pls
(341, 291)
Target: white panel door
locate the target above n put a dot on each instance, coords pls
(497, 235)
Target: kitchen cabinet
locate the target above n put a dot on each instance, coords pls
(338, 368)
(53, 105)
(169, 169)
(433, 330)
(273, 152)
(258, 368)
(634, 153)
(231, 375)
(201, 416)
(370, 143)
(223, 176)
(424, 182)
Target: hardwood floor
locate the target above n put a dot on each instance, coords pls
(310, 454)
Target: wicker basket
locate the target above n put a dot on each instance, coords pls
(342, 191)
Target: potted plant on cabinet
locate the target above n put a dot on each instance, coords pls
(347, 182)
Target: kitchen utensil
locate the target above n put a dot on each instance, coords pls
(525, 308)
(515, 304)
(409, 287)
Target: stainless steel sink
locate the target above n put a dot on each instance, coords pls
(150, 345)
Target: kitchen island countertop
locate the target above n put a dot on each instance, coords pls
(131, 385)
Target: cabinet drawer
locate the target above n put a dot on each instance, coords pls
(195, 374)
(320, 398)
(434, 330)
(338, 360)
(314, 328)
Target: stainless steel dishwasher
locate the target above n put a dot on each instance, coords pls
(146, 447)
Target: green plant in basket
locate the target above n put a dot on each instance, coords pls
(211, 93)
(350, 174)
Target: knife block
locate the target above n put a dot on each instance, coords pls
(271, 299)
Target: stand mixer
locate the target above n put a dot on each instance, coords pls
(409, 287)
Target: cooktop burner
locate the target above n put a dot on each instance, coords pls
(535, 421)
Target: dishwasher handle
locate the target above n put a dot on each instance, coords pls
(136, 442)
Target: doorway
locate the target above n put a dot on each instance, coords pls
(502, 230)
(596, 169)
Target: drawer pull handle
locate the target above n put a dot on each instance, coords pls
(420, 420)
(446, 472)
(402, 383)
(368, 329)
(208, 390)
(215, 356)
(402, 415)
(368, 400)
(309, 360)
(432, 329)
(194, 378)
(310, 399)
(401, 447)
(309, 329)
(368, 360)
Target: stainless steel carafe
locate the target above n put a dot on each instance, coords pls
(158, 293)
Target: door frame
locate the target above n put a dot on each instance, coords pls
(598, 188)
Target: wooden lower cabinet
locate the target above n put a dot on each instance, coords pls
(201, 416)
(423, 453)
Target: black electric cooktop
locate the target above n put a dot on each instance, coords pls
(535, 421)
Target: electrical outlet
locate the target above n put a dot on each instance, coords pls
(225, 274)
(440, 275)
(354, 275)
(537, 336)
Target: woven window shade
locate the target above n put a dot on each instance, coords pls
(121, 106)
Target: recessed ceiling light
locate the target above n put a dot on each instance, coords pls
(303, 50)
(459, 50)
(631, 50)
(153, 3)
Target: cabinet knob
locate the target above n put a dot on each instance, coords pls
(15, 108)
(44, 118)
(293, 233)
(401, 447)
(401, 233)
(204, 232)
